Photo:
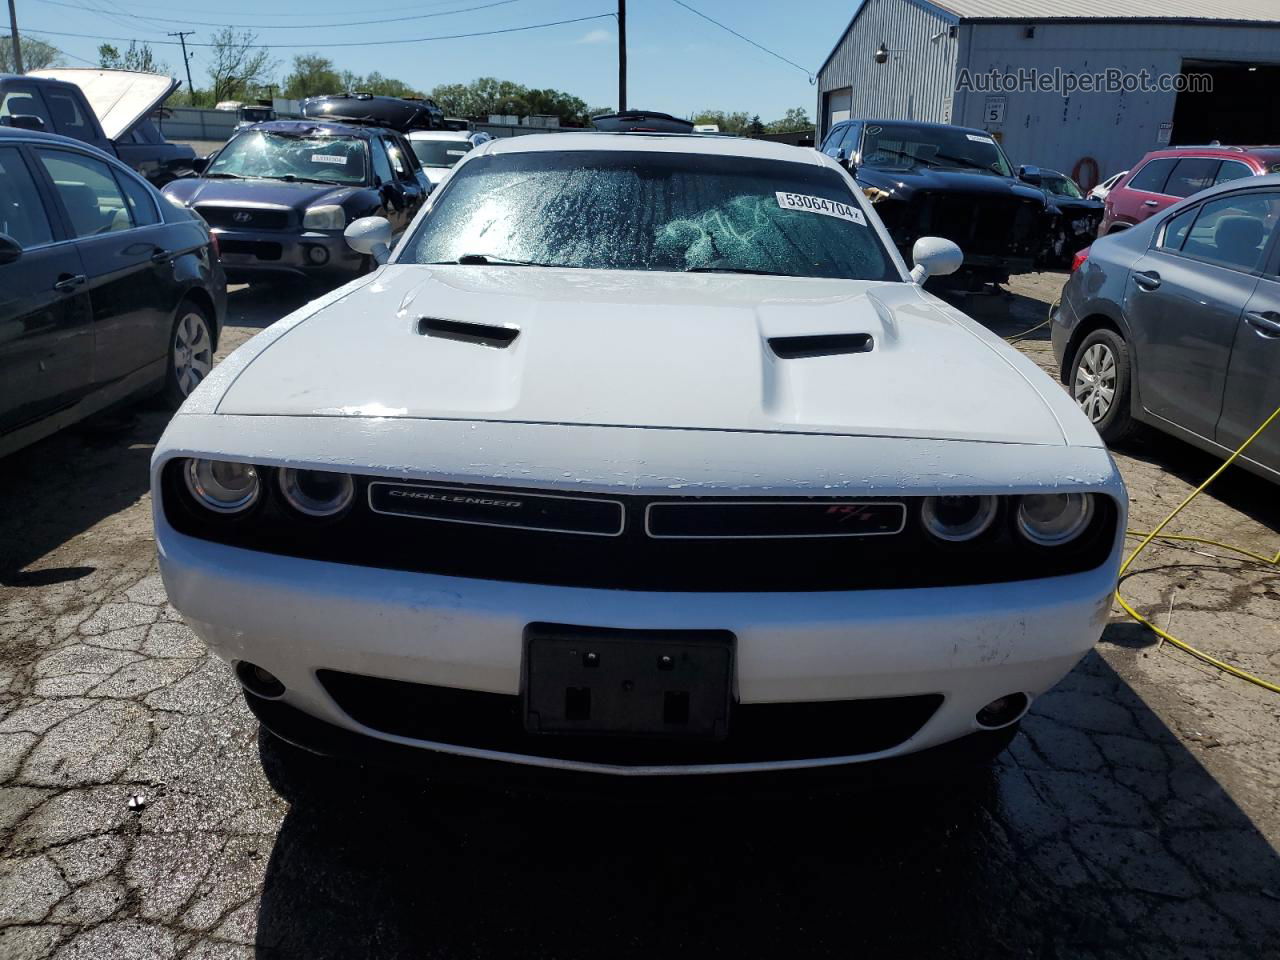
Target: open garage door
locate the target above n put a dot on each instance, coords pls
(835, 107)
(1242, 108)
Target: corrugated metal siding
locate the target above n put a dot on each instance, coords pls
(1023, 10)
(1047, 129)
(918, 80)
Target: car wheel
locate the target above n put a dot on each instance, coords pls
(190, 352)
(1100, 383)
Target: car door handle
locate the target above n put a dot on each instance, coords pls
(161, 256)
(1266, 322)
(1151, 203)
(69, 281)
(1147, 279)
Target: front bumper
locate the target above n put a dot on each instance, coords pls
(967, 645)
(313, 254)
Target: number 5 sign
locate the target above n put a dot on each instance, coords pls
(994, 112)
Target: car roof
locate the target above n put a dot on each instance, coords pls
(16, 134)
(654, 143)
(324, 127)
(439, 134)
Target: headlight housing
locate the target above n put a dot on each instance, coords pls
(957, 519)
(1052, 519)
(317, 493)
(327, 216)
(222, 486)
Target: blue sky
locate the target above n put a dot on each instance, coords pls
(678, 62)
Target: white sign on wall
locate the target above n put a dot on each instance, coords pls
(993, 112)
(1165, 134)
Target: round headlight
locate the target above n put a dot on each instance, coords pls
(221, 485)
(317, 493)
(958, 518)
(1050, 519)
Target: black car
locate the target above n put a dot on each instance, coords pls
(279, 195)
(933, 179)
(63, 100)
(106, 290)
(1075, 216)
(394, 113)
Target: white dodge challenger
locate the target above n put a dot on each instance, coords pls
(640, 455)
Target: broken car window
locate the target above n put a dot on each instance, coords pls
(278, 156)
(618, 210)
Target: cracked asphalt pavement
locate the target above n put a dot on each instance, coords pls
(143, 815)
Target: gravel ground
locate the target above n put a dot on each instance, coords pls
(143, 815)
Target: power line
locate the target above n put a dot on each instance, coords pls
(352, 43)
(807, 72)
(281, 26)
(299, 16)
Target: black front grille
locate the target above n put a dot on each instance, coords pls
(243, 218)
(636, 560)
(258, 249)
(757, 732)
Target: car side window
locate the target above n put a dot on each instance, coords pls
(398, 164)
(22, 215)
(142, 205)
(88, 191)
(832, 143)
(1151, 178)
(1191, 175)
(381, 165)
(1233, 170)
(67, 118)
(849, 143)
(1175, 231)
(23, 100)
(1234, 230)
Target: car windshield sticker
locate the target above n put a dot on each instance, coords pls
(456, 153)
(328, 158)
(977, 139)
(830, 208)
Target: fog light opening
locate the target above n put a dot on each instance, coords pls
(258, 680)
(1003, 711)
(318, 255)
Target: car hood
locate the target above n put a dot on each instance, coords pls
(904, 182)
(120, 98)
(645, 349)
(192, 190)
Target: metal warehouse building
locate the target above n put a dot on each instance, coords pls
(909, 59)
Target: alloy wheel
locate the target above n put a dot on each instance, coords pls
(192, 352)
(1095, 381)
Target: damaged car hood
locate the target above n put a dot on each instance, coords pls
(648, 349)
(120, 98)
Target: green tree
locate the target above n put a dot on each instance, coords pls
(727, 122)
(312, 76)
(137, 58)
(36, 54)
(238, 70)
(489, 95)
(755, 127)
(796, 120)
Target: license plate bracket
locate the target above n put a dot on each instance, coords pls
(640, 683)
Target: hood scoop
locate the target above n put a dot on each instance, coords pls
(485, 334)
(821, 345)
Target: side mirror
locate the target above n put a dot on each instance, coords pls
(26, 121)
(1029, 175)
(934, 257)
(370, 236)
(10, 249)
(840, 157)
(199, 164)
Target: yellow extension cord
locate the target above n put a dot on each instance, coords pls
(1156, 534)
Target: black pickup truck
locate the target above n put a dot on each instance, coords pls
(108, 109)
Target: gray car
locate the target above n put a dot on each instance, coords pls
(1175, 323)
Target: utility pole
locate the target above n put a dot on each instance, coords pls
(13, 35)
(622, 54)
(186, 60)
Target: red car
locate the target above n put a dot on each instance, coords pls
(1163, 177)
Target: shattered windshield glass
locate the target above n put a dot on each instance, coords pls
(902, 146)
(624, 210)
(278, 156)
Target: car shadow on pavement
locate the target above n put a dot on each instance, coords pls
(1005, 313)
(258, 306)
(1097, 834)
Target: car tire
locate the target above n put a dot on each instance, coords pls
(1100, 381)
(190, 356)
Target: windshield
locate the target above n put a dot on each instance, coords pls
(1062, 187)
(280, 156)
(439, 153)
(616, 210)
(902, 146)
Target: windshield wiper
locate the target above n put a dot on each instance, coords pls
(294, 178)
(759, 273)
(224, 176)
(966, 162)
(483, 259)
